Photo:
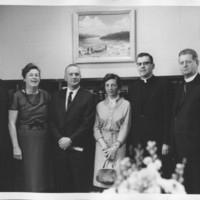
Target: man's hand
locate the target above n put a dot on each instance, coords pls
(165, 149)
(64, 143)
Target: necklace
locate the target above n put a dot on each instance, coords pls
(37, 100)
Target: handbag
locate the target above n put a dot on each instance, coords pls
(106, 175)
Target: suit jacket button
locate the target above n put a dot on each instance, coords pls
(141, 115)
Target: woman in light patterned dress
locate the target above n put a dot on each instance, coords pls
(112, 125)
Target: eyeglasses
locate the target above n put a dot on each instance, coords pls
(143, 63)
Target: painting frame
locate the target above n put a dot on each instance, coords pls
(92, 55)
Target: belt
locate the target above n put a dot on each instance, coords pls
(37, 124)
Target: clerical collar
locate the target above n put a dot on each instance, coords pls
(145, 79)
(187, 80)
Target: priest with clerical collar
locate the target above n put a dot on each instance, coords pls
(185, 123)
(151, 101)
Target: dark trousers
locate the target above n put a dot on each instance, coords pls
(168, 165)
(73, 173)
(192, 177)
(6, 170)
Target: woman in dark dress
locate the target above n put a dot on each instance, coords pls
(28, 118)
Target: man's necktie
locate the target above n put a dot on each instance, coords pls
(69, 99)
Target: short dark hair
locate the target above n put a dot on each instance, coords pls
(71, 65)
(28, 68)
(112, 76)
(145, 54)
(189, 51)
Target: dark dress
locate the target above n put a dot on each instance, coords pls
(32, 171)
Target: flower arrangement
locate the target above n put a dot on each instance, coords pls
(143, 175)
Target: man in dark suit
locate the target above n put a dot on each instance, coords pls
(151, 101)
(72, 114)
(186, 119)
(5, 142)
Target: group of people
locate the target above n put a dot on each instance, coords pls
(63, 139)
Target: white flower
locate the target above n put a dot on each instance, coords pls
(153, 189)
(171, 186)
(110, 190)
(152, 167)
(151, 144)
(124, 187)
(158, 164)
(147, 160)
(135, 178)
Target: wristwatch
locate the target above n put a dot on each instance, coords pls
(117, 144)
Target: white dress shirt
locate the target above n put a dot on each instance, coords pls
(73, 95)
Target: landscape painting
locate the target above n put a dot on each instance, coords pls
(106, 36)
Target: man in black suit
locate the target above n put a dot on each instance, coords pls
(186, 119)
(5, 142)
(151, 101)
(72, 119)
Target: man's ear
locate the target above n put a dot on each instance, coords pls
(197, 62)
(65, 77)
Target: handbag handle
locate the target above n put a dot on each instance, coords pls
(106, 161)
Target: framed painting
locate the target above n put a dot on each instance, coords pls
(104, 36)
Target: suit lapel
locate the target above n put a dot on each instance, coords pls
(61, 102)
(178, 97)
(76, 98)
(180, 101)
(183, 99)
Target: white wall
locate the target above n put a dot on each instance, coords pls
(43, 35)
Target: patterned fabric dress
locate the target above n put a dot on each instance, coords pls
(111, 123)
(31, 173)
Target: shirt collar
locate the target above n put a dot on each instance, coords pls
(113, 101)
(74, 91)
(187, 80)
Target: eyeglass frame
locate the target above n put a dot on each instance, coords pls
(143, 63)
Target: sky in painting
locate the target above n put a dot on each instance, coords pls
(103, 24)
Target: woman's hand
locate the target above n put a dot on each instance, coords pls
(17, 153)
(110, 153)
(104, 147)
(103, 144)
